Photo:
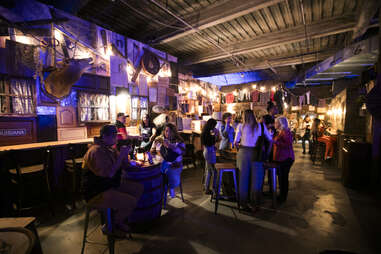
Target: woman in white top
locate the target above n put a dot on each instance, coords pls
(250, 167)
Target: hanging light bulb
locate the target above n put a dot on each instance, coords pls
(262, 88)
(254, 86)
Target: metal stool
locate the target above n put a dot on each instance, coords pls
(221, 169)
(166, 189)
(107, 217)
(272, 167)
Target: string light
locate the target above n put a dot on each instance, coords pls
(58, 35)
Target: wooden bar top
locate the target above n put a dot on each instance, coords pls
(45, 144)
(22, 222)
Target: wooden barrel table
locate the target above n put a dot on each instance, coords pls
(149, 206)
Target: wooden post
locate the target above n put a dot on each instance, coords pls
(376, 173)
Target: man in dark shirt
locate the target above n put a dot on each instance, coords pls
(103, 187)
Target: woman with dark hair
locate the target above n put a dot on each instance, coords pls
(306, 133)
(317, 131)
(249, 159)
(209, 137)
(227, 132)
(170, 146)
(147, 132)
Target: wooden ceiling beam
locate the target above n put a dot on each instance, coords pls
(291, 35)
(262, 64)
(222, 12)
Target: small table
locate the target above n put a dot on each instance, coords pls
(23, 222)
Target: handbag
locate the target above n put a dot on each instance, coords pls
(260, 149)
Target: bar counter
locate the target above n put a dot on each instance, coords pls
(31, 146)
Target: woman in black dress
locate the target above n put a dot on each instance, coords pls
(147, 131)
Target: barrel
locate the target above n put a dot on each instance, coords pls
(149, 205)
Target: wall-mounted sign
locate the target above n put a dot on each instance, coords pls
(12, 132)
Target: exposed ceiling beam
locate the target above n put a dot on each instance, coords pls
(368, 10)
(222, 12)
(296, 34)
(256, 64)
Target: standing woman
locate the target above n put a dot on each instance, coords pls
(250, 166)
(227, 132)
(283, 154)
(147, 131)
(171, 147)
(306, 133)
(209, 137)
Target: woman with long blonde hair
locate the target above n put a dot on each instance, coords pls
(250, 160)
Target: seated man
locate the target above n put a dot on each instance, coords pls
(102, 183)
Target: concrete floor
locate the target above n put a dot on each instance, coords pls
(319, 215)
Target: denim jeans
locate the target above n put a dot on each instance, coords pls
(250, 176)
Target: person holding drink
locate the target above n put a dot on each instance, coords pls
(103, 186)
(170, 146)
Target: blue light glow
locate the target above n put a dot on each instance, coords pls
(235, 78)
(45, 110)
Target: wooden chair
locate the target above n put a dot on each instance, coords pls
(25, 176)
(73, 167)
(189, 156)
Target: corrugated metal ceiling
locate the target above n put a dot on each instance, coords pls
(144, 21)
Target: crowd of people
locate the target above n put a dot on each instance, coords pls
(258, 140)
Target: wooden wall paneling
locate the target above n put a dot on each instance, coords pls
(66, 117)
(72, 133)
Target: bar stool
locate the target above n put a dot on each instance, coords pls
(73, 167)
(106, 218)
(272, 168)
(166, 189)
(221, 169)
(21, 176)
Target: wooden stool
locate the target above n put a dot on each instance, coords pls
(107, 217)
(272, 167)
(221, 169)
